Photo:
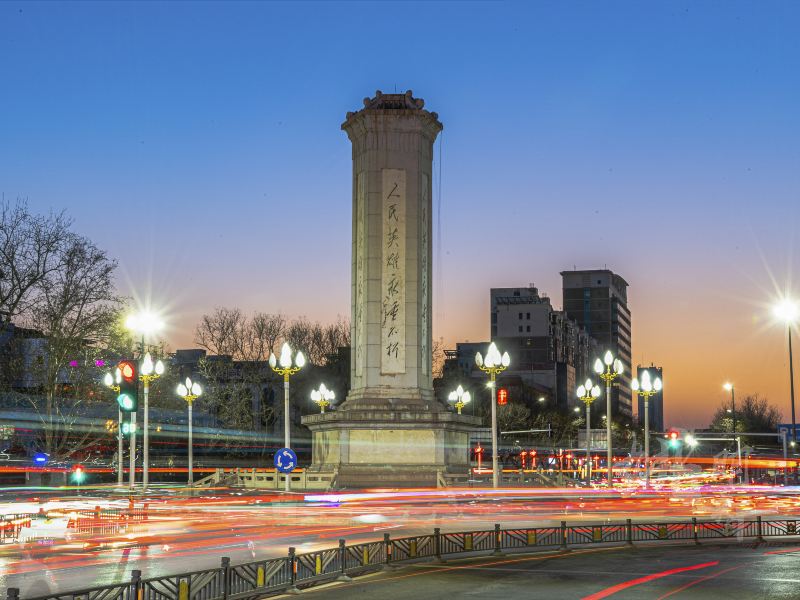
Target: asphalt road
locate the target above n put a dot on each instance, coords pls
(729, 572)
(190, 533)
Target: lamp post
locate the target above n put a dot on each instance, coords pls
(145, 324)
(286, 366)
(608, 373)
(729, 387)
(459, 398)
(788, 312)
(147, 373)
(646, 388)
(112, 382)
(493, 364)
(190, 391)
(588, 393)
(323, 397)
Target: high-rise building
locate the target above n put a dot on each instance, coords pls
(656, 400)
(549, 351)
(598, 301)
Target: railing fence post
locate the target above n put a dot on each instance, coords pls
(628, 532)
(497, 540)
(12, 593)
(292, 572)
(225, 566)
(563, 546)
(136, 584)
(343, 562)
(694, 528)
(759, 530)
(437, 545)
(387, 544)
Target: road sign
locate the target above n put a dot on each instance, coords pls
(285, 460)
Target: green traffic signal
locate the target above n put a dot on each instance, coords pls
(78, 474)
(128, 428)
(126, 402)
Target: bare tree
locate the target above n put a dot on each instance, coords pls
(266, 330)
(78, 314)
(320, 343)
(32, 248)
(753, 413)
(223, 332)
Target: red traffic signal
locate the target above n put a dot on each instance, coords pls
(502, 396)
(673, 435)
(127, 369)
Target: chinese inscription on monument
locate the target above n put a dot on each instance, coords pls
(393, 303)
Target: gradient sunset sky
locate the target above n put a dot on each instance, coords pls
(199, 143)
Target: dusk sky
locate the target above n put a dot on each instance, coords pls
(200, 145)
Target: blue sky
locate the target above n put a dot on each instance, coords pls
(199, 143)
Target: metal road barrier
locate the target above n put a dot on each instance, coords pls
(253, 580)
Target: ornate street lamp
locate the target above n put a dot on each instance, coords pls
(608, 373)
(190, 391)
(646, 388)
(287, 365)
(148, 372)
(588, 393)
(459, 398)
(144, 324)
(493, 364)
(323, 397)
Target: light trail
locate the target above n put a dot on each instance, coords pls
(188, 533)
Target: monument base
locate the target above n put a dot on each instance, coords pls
(372, 447)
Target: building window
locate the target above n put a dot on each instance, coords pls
(529, 329)
(520, 328)
(520, 316)
(529, 316)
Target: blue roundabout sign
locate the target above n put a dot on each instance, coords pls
(285, 460)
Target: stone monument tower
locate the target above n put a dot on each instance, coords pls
(391, 430)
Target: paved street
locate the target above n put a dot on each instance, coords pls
(726, 572)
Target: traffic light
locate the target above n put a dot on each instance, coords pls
(502, 396)
(128, 398)
(78, 473)
(673, 438)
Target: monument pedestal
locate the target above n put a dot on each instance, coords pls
(394, 446)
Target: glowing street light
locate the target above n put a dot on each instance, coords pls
(459, 398)
(609, 369)
(728, 386)
(190, 391)
(145, 324)
(287, 365)
(788, 312)
(493, 364)
(588, 393)
(323, 397)
(646, 387)
(112, 382)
